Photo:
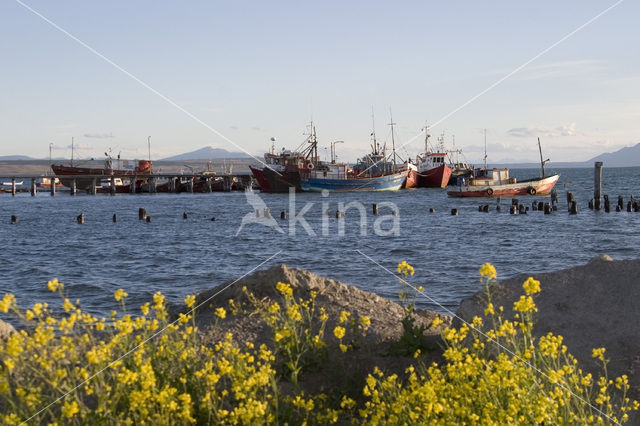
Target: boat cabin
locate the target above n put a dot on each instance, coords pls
(430, 160)
(485, 177)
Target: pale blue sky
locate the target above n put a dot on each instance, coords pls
(255, 70)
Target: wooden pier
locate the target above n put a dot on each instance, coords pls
(122, 183)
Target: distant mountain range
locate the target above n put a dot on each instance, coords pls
(625, 157)
(207, 153)
(15, 158)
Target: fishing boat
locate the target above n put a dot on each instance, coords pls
(432, 169)
(84, 176)
(373, 172)
(338, 177)
(282, 169)
(497, 183)
(11, 183)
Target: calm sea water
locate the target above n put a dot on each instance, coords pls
(179, 257)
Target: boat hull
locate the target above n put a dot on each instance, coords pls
(83, 175)
(412, 179)
(434, 178)
(272, 181)
(527, 187)
(392, 182)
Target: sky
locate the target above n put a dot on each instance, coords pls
(233, 75)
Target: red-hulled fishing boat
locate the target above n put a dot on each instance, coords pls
(84, 176)
(433, 171)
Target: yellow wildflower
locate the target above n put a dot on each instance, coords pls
(488, 270)
(598, 353)
(339, 332)
(55, 285)
(70, 409)
(405, 269)
(120, 294)
(190, 300)
(221, 313)
(284, 289)
(7, 302)
(531, 286)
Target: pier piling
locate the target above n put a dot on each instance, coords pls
(570, 199)
(14, 219)
(115, 217)
(534, 206)
(283, 215)
(132, 185)
(574, 207)
(13, 187)
(513, 209)
(432, 210)
(620, 203)
(185, 215)
(34, 188)
(52, 188)
(80, 218)
(375, 209)
(94, 186)
(148, 219)
(607, 205)
(597, 184)
(267, 213)
(112, 185)
(142, 213)
(629, 206)
(454, 212)
(548, 208)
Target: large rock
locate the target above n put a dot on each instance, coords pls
(5, 330)
(595, 305)
(386, 316)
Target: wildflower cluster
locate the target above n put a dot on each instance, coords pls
(499, 375)
(128, 369)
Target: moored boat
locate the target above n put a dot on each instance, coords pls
(338, 177)
(281, 170)
(497, 183)
(84, 176)
(433, 171)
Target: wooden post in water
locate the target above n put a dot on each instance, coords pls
(52, 188)
(112, 185)
(72, 188)
(94, 186)
(142, 213)
(13, 187)
(597, 184)
(34, 188)
(375, 209)
(191, 184)
(208, 185)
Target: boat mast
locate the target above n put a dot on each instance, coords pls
(393, 141)
(149, 146)
(541, 160)
(485, 149)
(71, 151)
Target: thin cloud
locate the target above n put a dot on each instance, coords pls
(562, 69)
(566, 130)
(99, 135)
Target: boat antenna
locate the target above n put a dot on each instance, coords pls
(393, 141)
(373, 132)
(542, 162)
(149, 146)
(71, 151)
(485, 149)
(50, 148)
